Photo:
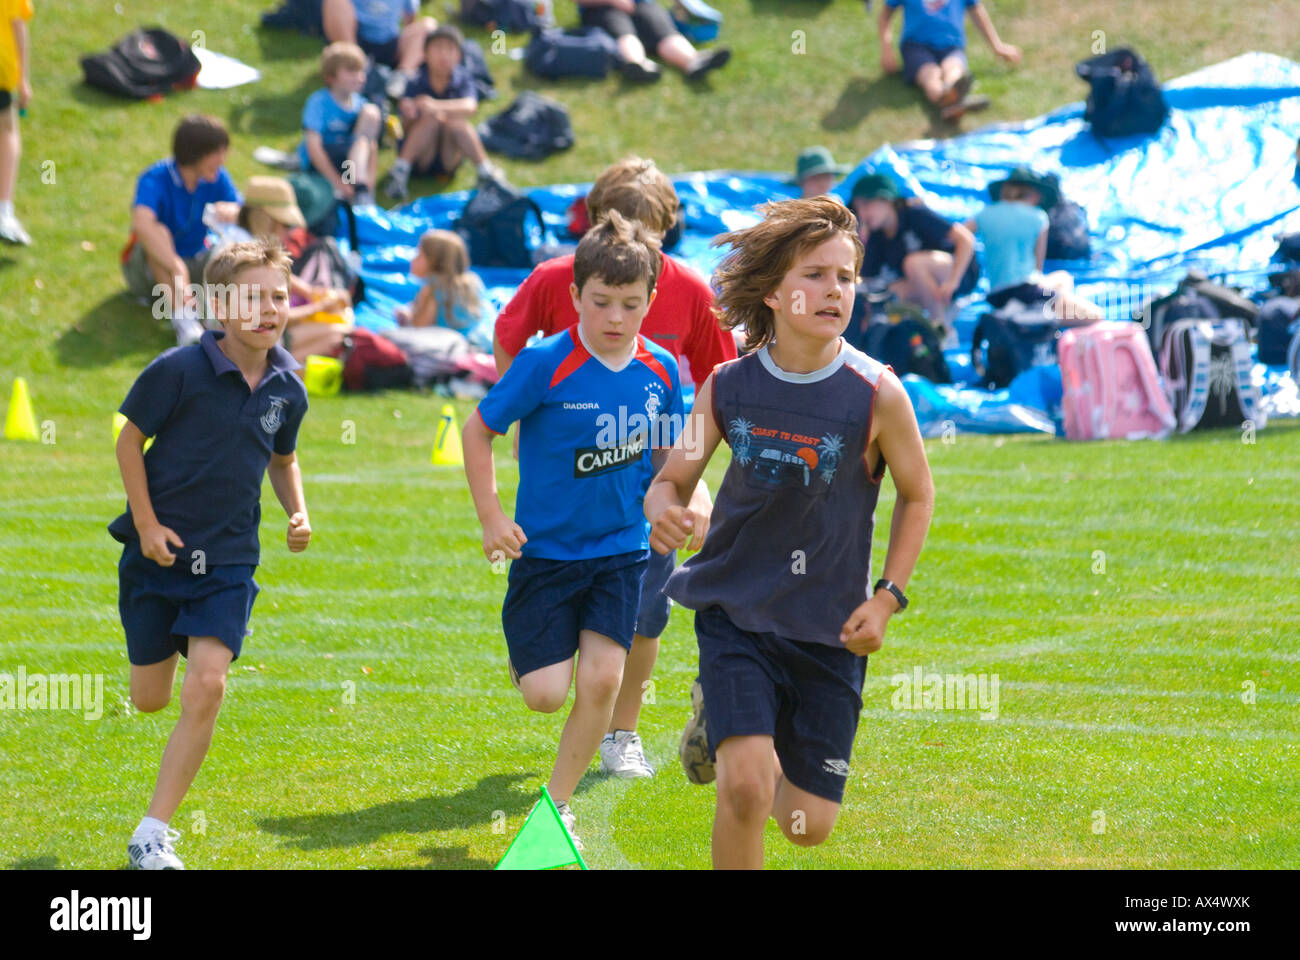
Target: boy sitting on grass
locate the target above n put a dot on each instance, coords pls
(934, 50)
(219, 412)
(785, 615)
(438, 110)
(340, 139)
(591, 401)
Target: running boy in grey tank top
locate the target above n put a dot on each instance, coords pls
(785, 609)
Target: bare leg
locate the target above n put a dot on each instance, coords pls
(151, 686)
(923, 273)
(174, 285)
(339, 18)
(600, 671)
(410, 43)
(422, 138)
(930, 79)
(462, 140)
(364, 155)
(805, 818)
(11, 148)
(746, 775)
(640, 664)
(630, 48)
(676, 50)
(202, 691)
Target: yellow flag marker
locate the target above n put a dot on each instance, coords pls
(446, 446)
(119, 421)
(20, 422)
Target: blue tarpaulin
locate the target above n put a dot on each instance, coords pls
(1210, 190)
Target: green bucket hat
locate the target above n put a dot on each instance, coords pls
(1048, 192)
(874, 186)
(815, 160)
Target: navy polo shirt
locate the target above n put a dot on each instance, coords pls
(460, 86)
(213, 439)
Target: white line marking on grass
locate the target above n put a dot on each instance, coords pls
(1077, 726)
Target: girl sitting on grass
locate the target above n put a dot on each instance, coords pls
(452, 295)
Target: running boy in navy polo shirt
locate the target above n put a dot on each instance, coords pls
(219, 411)
(785, 610)
(593, 402)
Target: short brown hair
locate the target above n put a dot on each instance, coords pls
(761, 256)
(618, 251)
(638, 190)
(228, 261)
(197, 136)
(340, 54)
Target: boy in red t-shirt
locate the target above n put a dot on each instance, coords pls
(681, 320)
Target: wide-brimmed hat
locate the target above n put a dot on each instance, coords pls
(874, 186)
(275, 196)
(816, 160)
(1048, 191)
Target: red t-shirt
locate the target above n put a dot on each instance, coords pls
(680, 320)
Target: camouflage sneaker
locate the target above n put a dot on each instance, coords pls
(694, 748)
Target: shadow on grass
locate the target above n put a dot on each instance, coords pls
(274, 114)
(861, 95)
(282, 44)
(452, 858)
(35, 863)
(114, 328)
(471, 807)
(792, 8)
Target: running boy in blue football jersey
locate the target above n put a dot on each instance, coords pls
(785, 614)
(593, 401)
(219, 411)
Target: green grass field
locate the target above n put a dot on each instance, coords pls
(1148, 692)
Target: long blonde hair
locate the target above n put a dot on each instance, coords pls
(448, 261)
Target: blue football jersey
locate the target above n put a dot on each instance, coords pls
(585, 439)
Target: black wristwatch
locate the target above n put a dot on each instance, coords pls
(892, 588)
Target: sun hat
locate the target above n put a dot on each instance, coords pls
(275, 196)
(1048, 192)
(874, 186)
(816, 160)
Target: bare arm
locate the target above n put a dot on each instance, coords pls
(677, 484)
(899, 441)
(321, 161)
(888, 58)
(963, 243)
(502, 358)
(1040, 249)
(154, 537)
(157, 239)
(501, 535)
(1006, 51)
(424, 309)
(451, 109)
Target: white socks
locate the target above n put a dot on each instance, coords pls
(149, 826)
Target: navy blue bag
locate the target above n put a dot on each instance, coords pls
(531, 128)
(301, 15)
(1125, 97)
(1279, 322)
(1002, 348)
(577, 52)
(909, 346)
(495, 226)
(512, 16)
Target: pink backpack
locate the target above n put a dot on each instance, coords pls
(1111, 388)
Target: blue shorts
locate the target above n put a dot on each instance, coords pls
(916, 55)
(652, 618)
(549, 601)
(805, 696)
(162, 607)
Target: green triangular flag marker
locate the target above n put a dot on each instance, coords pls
(543, 842)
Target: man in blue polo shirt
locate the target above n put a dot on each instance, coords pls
(597, 405)
(163, 260)
(219, 413)
(933, 47)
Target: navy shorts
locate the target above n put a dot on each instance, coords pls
(651, 23)
(549, 601)
(805, 696)
(384, 52)
(162, 607)
(652, 618)
(916, 55)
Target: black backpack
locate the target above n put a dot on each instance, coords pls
(1067, 228)
(301, 15)
(1004, 347)
(143, 64)
(531, 128)
(1206, 366)
(495, 226)
(1195, 298)
(909, 346)
(476, 64)
(1125, 97)
(578, 52)
(512, 16)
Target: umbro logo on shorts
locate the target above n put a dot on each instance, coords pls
(838, 767)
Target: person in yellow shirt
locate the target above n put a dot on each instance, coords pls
(15, 92)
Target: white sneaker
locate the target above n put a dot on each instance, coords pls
(623, 755)
(155, 851)
(567, 817)
(272, 157)
(12, 231)
(396, 86)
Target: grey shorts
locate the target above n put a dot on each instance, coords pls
(140, 279)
